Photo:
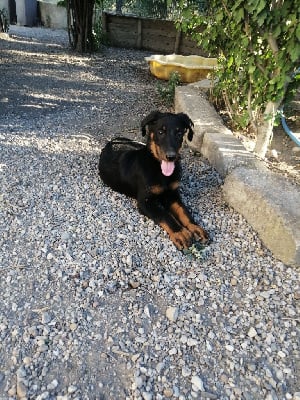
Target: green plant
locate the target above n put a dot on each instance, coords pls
(99, 36)
(167, 91)
(258, 44)
(197, 250)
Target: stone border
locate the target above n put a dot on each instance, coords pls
(267, 200)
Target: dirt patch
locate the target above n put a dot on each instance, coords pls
(283, 155)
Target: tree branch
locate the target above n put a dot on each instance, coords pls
(273, 44)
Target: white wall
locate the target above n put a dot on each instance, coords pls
(51, 15)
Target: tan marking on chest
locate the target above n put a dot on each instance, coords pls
(156, 189)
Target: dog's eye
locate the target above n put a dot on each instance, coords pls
(180, 133)
(161, 132)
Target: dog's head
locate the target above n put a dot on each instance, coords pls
(165, 136)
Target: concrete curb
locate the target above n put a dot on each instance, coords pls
(267, 200)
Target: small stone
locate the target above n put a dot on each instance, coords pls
(159, 367)
(12, 391)
(252, 332)
(172, 314)
(42, 348)
(27, 360)
(197, 383)
(191, 342)
(186, 371)
(252, 367)
(21, 373)
(129, 260)
(135, 357)
(224, 378)
(168, 393)
(179, 292)
(173, 351)
(296, 396)
(134, 284)
(138, 382)
(52, 385)
(271, 396)
(147, 395)
(297, 295)
(21, 389)
(72, 389)
(73, 326)
(233, 281)
(274, 153)
(183, 339)
(50, 256)
(65, 236)
(229, 347)
(207, 395)
(46, 317)
(44, 395)
(281, 354)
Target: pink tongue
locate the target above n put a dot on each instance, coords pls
(167, 167)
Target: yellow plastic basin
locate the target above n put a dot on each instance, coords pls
(190, 68)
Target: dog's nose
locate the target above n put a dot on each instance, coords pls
(171, 156)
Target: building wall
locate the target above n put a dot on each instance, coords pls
(26, 11)
(53, 16)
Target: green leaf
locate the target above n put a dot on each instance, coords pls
(276, 32)
(261, 18)
(251, 69)
(230, 61)
(239, 15)
(260, 6)
(298, 32)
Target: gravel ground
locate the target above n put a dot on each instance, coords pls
(96, 302)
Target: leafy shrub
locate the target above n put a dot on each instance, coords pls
(167, 91)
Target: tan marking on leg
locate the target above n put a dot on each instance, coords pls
(183, 218)
(181, 239)
(180, 214)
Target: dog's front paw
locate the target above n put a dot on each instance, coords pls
(198, 233)
(181, 239)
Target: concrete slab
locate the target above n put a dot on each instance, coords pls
(271, 205)
(225, 152)
(267, 200)
(193, 100)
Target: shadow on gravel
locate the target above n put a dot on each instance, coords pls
(45, 80)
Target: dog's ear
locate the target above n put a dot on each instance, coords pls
(188, 123)
(152, 117)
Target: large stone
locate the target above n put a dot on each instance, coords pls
(225, 152)
(193, 101)
(270, 204)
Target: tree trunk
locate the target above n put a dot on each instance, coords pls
(80, 24)
(265, 129)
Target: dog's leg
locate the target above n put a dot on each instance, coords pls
(179, 235)
(180, 212)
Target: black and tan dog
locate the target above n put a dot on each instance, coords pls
(151, 173)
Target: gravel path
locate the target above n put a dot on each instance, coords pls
(96, 302)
